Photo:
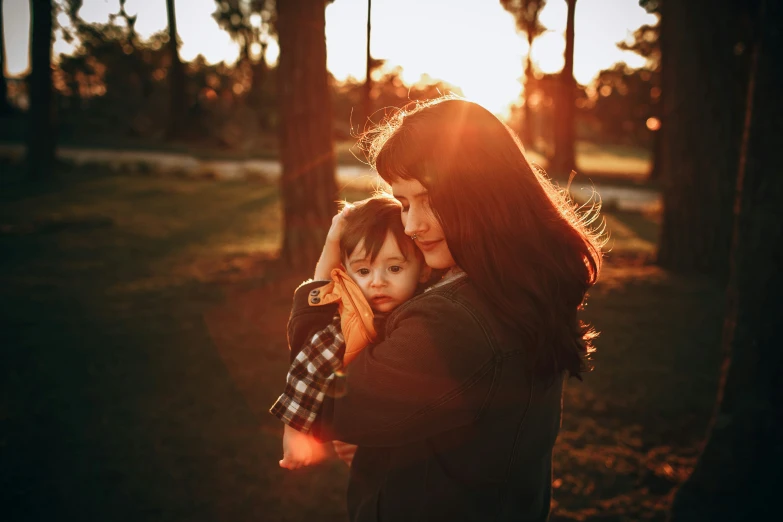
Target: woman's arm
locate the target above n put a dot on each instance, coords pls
(432, 373)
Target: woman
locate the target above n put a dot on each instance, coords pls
(456, 410)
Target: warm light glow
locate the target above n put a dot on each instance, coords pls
(472, 45)
(548, 52)
(653, 124)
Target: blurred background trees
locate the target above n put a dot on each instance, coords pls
(117, 89)
(526, 14)
(251, 24)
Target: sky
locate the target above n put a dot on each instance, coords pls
(472, 44)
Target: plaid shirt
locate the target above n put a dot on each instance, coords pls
(311, 374)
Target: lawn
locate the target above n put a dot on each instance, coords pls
(143, 326)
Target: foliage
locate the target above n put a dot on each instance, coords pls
(526, 15)
(645, 42)
(389, 92)
(113, 87)
(251, 23)
(623, 100)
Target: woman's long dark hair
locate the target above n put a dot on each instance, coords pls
(519, 237)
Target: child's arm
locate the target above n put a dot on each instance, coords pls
(309, 378)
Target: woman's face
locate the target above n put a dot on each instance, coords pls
(419, 220)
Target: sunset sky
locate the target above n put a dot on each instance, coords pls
(472, 44)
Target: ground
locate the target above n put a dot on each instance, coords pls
(143, 326)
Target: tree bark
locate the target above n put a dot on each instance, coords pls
(702, 91)
(564, 159)
(740, 470)
(527, 123)
(656, 152)
(366, 93)
(308, 186)
(177, 93)
(5, 106)
(41, 140)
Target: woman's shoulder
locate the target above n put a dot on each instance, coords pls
(439, 326)
(443, 307)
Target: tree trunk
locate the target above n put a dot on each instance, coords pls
(702, 90)
(5, 106)
(367, 101)
(564, 160)
(41, 140)
(739, 473)
(657, 149)
(308, 186)
(527, 123)
(259, 72)
(177, 94)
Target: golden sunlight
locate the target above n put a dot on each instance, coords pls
(471, 45)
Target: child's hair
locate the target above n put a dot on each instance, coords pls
(370, 221)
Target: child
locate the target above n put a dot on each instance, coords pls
(383, 269)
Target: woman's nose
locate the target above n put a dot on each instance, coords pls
(414, 225)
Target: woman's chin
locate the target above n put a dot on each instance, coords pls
(439, 260)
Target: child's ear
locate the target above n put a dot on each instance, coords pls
(426, 272)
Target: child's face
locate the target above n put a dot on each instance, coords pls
(390, 279)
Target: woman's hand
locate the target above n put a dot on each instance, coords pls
(345, 451)
(330, 255)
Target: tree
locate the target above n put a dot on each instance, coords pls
(5, 107)
(308, 185)
(250, 23)
(367, 92)
(41, 140)
(564, 158)
(702, 66)
(622, 105)
(526, 15)
(178, 105)
(738, 475)
(646, 43)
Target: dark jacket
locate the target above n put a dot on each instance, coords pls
(450, 422)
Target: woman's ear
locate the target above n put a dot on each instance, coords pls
(426, 272)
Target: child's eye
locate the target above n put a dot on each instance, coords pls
(363, 271)
(395, 269)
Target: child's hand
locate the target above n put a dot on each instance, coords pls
(300, 449)
(330, 255)
(338, 223)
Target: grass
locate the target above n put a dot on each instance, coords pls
(144, 339)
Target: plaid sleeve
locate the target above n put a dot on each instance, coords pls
(309, 377)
